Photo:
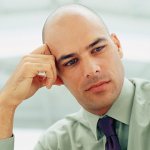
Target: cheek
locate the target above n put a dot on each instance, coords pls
(72, 83)
(115, 61)
(71, 78)
(119, 66)
(117, 70)
(114, 68)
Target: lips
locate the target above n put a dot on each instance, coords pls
(98, 87)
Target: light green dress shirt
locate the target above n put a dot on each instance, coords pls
(78, 131)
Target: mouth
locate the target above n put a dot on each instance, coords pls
(98, 87)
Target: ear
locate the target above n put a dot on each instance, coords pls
(117, 43)
(58, 81)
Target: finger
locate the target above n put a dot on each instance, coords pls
(45, 81)
(53, 67)
(48, 52)
(51, 77)
(58, 81)
(50, 60)
(42, 80)
(38, 58)
(42, 50)
(42, 74)
(40, 63)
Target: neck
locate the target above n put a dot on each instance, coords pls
(101, 111)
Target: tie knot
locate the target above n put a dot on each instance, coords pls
(106, 125)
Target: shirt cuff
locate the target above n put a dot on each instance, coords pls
(7, 144)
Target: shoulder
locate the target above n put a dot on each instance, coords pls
(62, 131)
(141, 101)
(139, 81)
(69, 122)
(142, 88)
(140, 119)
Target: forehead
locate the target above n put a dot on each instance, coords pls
(72, 34)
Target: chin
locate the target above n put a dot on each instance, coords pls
(99, 101)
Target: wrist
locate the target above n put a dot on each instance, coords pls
(6, 103)
(6, 119)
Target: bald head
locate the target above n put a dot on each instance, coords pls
(71, 16)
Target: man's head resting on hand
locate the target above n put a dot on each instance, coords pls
(88, 57)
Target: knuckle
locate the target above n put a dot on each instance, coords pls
(50, 59)
(26, 65)
(52, 62)
(25, 58)
(48, 67)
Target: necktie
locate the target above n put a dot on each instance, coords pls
(107, 126)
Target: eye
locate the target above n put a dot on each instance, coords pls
(97, 49)
(71, 62)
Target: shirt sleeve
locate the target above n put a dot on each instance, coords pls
(7, 144)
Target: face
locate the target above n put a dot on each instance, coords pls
(88, 61)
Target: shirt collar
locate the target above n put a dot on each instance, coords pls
(120, 110)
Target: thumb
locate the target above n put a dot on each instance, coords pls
(58, 81)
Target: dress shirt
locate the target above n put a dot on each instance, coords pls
(78, 131)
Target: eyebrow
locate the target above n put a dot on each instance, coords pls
(98, 40)
(63, 57)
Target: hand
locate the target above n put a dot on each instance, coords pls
(25, 81)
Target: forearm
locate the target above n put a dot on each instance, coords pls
(6, 119)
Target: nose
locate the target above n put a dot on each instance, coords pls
(91, 69)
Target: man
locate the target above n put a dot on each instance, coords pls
(81, 54)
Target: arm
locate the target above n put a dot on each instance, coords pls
(6, 127)
(6, 120)
(24, 83)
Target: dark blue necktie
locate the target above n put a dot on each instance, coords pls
(107, 126)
